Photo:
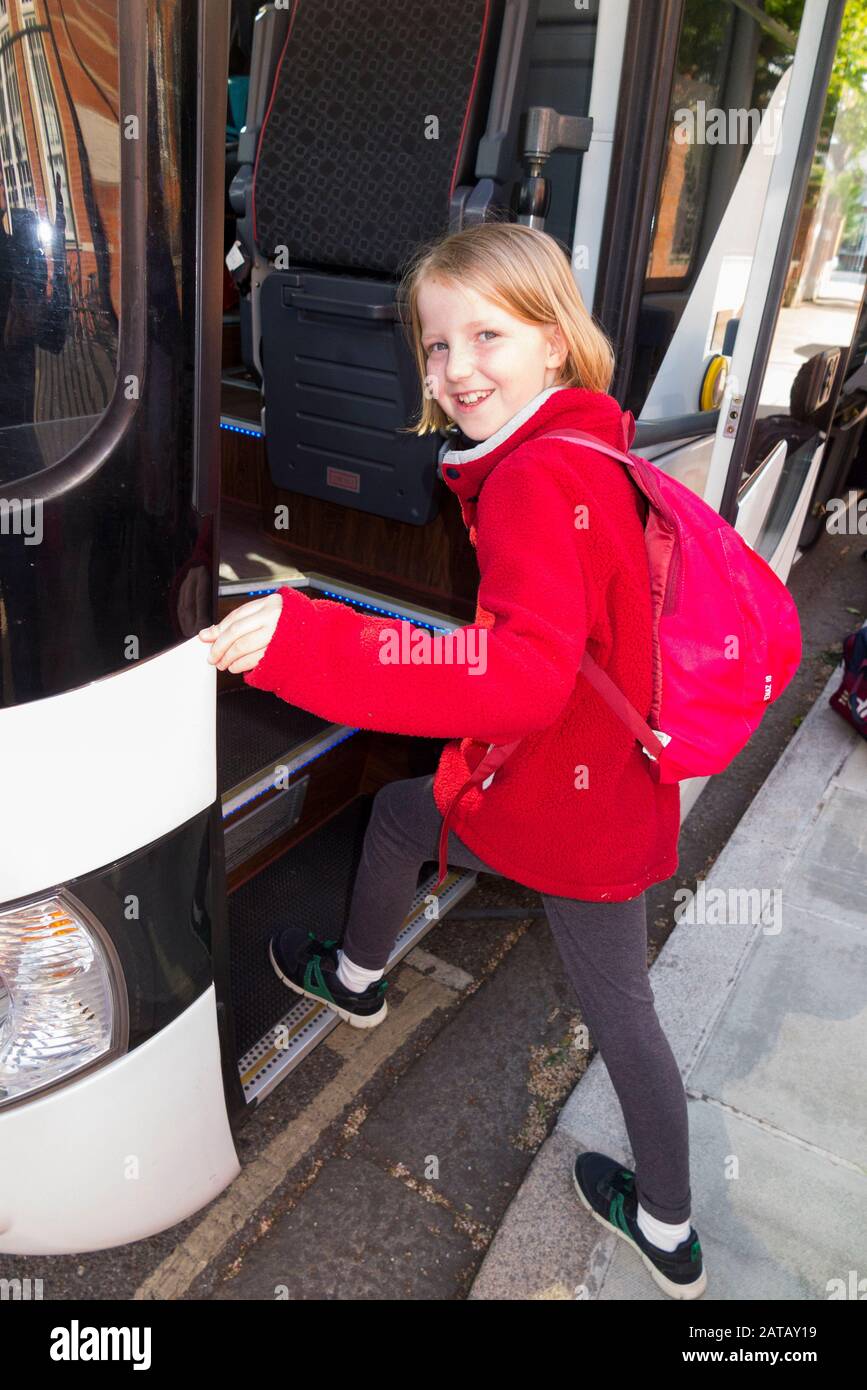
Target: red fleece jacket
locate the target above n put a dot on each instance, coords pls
(560, 546)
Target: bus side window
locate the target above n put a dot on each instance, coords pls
(59, 231)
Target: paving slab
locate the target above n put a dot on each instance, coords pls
(761, 991)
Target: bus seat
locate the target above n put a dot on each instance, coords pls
(370, 129)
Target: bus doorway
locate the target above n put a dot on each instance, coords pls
(180, 438)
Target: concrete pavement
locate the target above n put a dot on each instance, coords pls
(761, 991)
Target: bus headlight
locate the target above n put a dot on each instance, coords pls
(59, 995)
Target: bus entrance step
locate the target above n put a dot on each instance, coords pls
(257, 732)
(266, 752)
(311, 886)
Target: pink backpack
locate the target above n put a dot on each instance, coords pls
(726, 634)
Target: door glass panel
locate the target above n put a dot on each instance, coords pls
(822, 297)
(732, 72)
(59, 226)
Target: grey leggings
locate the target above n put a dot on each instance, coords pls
(604, 950)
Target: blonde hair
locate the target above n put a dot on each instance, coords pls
(526, 272)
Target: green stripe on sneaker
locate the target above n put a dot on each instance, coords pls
(616, 1217)
(314, 980)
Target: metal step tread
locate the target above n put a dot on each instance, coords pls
(310, 886)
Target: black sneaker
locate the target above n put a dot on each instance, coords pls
(309, 966)
(608, 1192)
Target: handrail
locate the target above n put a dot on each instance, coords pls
(674, 429)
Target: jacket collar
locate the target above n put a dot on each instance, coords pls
(464, 470)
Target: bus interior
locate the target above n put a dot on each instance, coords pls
(316, 376)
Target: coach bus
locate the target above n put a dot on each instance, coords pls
(205, 389)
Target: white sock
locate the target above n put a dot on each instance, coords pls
(355, 977)
(661, 1233)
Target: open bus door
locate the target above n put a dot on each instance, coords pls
(160, 818)
(117, 1077)
(732, 319)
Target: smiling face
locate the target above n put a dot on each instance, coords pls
(472, 345)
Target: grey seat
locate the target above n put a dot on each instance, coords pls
(371, 128)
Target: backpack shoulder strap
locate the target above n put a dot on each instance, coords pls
(599, 679)
(637, 469)
(623, 708)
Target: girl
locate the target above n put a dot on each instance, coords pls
(507, 351)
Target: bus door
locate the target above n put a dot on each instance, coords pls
(779, 425)
(116, 1073)
(724, 196)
